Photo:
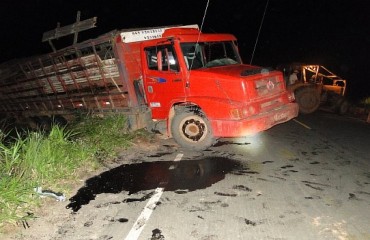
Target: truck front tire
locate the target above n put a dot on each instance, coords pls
(191, 129)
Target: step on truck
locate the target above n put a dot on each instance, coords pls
(189, 85)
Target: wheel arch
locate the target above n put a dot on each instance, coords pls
(176, 107)
(190, 127)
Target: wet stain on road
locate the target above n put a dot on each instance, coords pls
(226, 194)
(146, 197)
(264, 179)
(287, 166)
(280, 178)
(157, 235)
(352, 196)
(222, 143)
(314, 187)
(186, 175)
(88, 224)
(313, 197)
(244, 172)
(316, 183)
(292, 171)
(242, 188)
(107, 204)
(160, 154)
(249, 222)
(119, 220)
(267, 162)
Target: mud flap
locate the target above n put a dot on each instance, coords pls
(139, 120)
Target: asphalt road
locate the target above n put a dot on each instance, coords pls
(305, 179)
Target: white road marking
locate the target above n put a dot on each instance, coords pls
(304, 125)
(139, 225)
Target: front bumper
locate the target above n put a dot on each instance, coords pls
(254, 124)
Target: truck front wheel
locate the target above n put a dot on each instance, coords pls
(191, 129)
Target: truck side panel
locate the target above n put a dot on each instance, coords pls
(83, 77)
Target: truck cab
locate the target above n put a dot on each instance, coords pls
(199, 90)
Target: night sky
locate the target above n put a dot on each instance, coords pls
(333, 33)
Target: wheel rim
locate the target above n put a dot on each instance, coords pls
(193, 129)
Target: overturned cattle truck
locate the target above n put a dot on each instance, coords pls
(184, 83)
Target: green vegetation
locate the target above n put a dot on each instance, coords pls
(52, 159)
(104, 135)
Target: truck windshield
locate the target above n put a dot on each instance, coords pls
(209, 54)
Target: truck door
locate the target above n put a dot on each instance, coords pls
(163, 80)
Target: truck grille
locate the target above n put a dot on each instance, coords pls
(268, 86)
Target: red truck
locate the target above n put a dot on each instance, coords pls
(187, 84)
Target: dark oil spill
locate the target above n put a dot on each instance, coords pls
(112, 219)
(281, 178)
(88, 224)
(287, 166)
(244, 172)
(121, 220)
(312, 197)
(249, 222)
(222, 143)
(168, 145)
(352, 196)
(242, 188)
(267, 162)
(225, 194)
(184, 175)
(314, 187)
(293, 171)
(157, 235)
(316, 183)
(160, 154)
(107, 204)
(146, 197)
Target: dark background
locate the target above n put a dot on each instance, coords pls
(332, 33)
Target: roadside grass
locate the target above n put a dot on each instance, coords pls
(51, 160)
(104, 135)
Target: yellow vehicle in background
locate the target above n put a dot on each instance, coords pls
(315, 86)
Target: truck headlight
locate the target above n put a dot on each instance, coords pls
(239, 113)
